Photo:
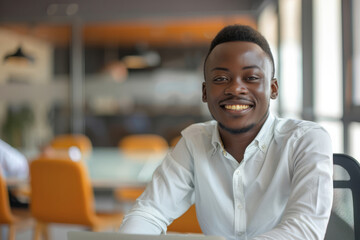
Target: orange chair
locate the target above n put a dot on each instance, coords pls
(143, 143)
(61, 193)
(186, 223)
(65, 141)
(128, 194)
(174, 141)
(139, 146)
(16, 219)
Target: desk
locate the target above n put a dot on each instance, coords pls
(110, 168)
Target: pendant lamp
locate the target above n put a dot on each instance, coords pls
(18, 55)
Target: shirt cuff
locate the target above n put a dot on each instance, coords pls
(137, 225)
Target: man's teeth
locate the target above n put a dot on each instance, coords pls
(237, 107)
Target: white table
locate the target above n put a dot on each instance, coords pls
(110, 168)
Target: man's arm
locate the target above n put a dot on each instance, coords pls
(12, 163)
(167, 197)
(308, 210)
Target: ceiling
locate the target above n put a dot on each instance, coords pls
(170, 33)
(110, 10)
(128, 22)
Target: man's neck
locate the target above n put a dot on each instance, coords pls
(236, 144)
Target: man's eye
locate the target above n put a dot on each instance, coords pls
(220, 79)
(252, 78)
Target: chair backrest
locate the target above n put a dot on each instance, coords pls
(143, 143)
(66, 141)
(186, 223)
(174, 141)
(345, 216)
(61, 192)
(5, 213)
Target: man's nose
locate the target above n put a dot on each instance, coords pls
(236, 86)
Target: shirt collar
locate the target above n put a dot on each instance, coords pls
(262, 140)
(216, 140)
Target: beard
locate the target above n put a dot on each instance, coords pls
(244, 129)
(238, 130)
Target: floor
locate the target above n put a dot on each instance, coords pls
(104, 202)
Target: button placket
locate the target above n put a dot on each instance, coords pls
(240, 224)
(240, 234)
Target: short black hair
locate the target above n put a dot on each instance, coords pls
(241, 33)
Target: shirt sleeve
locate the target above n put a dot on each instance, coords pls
(13, 164)
(168, 195)
(308, 209)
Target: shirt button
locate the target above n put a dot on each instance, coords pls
(263, 147)
(240, 234)
(239, 206)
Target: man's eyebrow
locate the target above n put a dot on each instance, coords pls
(227, 70)
(251, 66)
(220, 68)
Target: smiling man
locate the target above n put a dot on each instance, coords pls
(251, 175)
(238, 85)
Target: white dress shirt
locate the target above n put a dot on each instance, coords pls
(281, 190)
(13, 164)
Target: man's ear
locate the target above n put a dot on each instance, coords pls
(274, 88)
(204, 97)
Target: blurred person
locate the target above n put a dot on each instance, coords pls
(13, 164)
(250, 174)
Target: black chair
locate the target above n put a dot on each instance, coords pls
(344, 221)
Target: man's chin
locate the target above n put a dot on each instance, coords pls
(236, 130)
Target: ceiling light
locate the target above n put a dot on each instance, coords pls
(145, 60)
(19, 57)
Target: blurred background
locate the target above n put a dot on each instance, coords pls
(112, 68)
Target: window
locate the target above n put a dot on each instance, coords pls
(328, 60)
(328, 78)
(290, 79)
(268, 26)
(356, 46)
(335, 129)
(354, 140)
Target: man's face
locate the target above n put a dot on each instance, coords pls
(238, 85)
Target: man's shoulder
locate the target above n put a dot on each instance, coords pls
(199, 129)
(290, 126)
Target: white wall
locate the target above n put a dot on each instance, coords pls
(24, 83)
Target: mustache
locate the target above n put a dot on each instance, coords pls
(236, 98)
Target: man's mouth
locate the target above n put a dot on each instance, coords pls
(236, 107)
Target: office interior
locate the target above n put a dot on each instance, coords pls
(111, 69)
(108, 69)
